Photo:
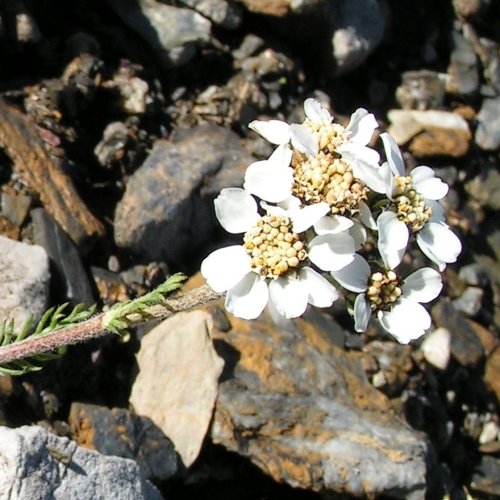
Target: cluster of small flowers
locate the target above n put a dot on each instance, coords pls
(324, 194)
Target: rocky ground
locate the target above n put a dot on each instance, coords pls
(120, 121)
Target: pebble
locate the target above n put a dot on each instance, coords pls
(463, 70)
(421, 90)
(470, 301)
(114, 139)
(488, 129)
(430, 132)
(436, 347)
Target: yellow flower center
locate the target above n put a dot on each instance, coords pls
(273, 247)
(410, 205)
(327, 178)
(329, 136)
(383, 290)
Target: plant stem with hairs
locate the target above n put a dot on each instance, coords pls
(57, 330)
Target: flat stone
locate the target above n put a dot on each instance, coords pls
(37, 464)
(492, 372)
(172, 32)
(430, 132)
(24, 280)
(121, 433)
(177, 382)
(166, 210)
(465, 345)
(303, 411)
(488, 129)
(486, 477)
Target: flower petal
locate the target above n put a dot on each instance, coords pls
(437, 209)
(439, 243)
(316, 112)
(366, 217)
(369, 175)
(388, 178)
(331, 252)
(268, 183)
(361, 126)
(236, 210)
(393, 155)
(427, 184)
(304, 218)
(354, 277)
(321, 293)
(248, 298)
(303, 140)
(331, 224)
(274, 131)
(225, 267)
(359, 235)
(406, 321)
(362, 313)
(423, 285)
(392, 239)
(289, 296)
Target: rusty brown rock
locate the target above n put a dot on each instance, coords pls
(45, 175)
(492, 372)
(304, 412)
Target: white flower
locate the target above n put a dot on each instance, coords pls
(272, 262)
(397, 304)
(416, 204)
(330, 163)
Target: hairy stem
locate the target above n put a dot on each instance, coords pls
(97, 326)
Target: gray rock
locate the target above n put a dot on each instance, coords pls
(422, 89)
(24, 280)
(485, 187)
(474, 274)
(72, 279)
(35, 464)
(486, 477)
(358, 29)
(171, 32)
(470, 301)
(303, 411)
(488, 129)
(114, 138)
(166, 210)
(463, 70)
(225, 14)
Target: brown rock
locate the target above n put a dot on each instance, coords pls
(492, 372)
(303, 411)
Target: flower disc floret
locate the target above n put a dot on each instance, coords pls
(383, 290)
(327, 178)
(273, 247)
(411, 207)
(329, 136)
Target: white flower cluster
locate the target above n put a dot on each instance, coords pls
(325, 196)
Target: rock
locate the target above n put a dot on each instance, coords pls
(463, 70)
(468, 8)
(470, 301)
(19, 24)
(474, 275)
(485, 187)
(114, 139)
(225, 14)
(132, 89)
(37, 464)
(165, 212)
(431, 132)
(170, 31)
(24, 281)
(121, 433)
(16, 207)
(178, 357)
(436, 348)
(72, 280)
(302, 410)
(465, 345)
(486, 477)
(492, 372)
(358, 29)
(421, 90)
(488, 129)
